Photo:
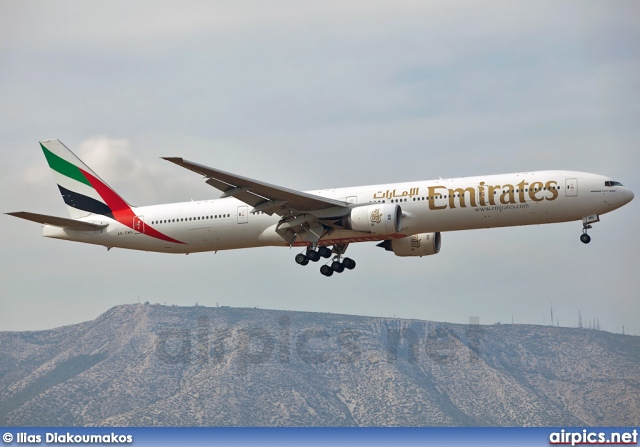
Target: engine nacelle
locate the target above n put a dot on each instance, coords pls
(423, 244)
(383, 219)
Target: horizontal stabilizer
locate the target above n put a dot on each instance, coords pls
(61, 222)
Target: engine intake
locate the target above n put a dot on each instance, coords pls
(383, 219)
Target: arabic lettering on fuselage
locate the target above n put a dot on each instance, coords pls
(388, 194)
(481, 195)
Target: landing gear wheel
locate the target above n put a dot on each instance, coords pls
(325, 252)
(326, 270)
(337, 266)
(585, 238)
(302, 259)
(349, 263)
(313, 255)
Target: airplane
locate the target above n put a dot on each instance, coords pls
(405, 218)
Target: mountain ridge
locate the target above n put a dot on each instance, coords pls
(153, 365)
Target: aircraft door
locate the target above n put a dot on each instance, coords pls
(571, 187)
(243, 214)
(138, 224)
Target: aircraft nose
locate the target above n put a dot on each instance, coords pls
(628, 195)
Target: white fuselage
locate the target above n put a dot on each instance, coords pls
(427, 206)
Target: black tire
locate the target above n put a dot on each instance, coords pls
(313, 255)
(326, 270)
(337, 267)
(585, 238)
(301, 259)
(325, 252)
(349, 263)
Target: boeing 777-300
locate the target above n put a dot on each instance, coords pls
(405, 218)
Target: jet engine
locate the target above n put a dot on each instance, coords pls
(383, 219)
(423, 244)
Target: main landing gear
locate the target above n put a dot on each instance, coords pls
(338, 265)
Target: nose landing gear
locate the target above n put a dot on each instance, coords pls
(586, 225)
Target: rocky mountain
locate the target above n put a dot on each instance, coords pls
(150, 365)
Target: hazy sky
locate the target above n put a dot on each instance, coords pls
(310, 95)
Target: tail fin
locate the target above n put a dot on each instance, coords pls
(81, 188)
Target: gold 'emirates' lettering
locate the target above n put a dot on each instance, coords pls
(432, 198)
(492, 194)
(536, 187)
(551, 186)
(481, 194)
(509, 194)
(461, 196)
(521, 186)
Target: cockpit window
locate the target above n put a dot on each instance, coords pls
(612, 183)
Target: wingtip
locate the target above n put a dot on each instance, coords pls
(173, 159)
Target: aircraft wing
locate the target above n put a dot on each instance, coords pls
(62, 222)
(260, 195)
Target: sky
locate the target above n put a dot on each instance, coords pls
(314, 95)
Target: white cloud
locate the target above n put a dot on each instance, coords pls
(138, 179)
